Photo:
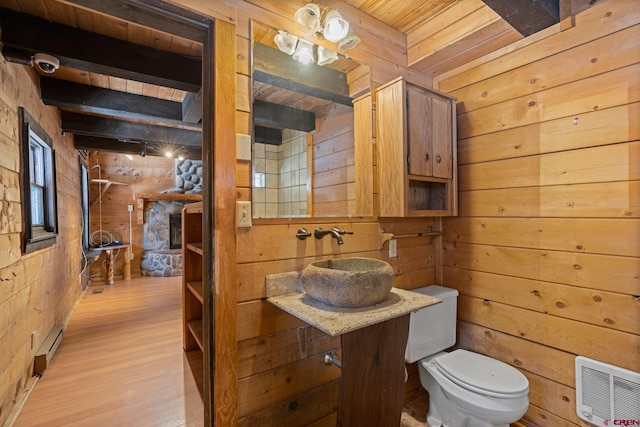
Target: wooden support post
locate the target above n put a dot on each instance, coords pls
(110, 262)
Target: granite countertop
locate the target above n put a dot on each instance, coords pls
(336, 321)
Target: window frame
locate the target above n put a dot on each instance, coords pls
(34, 236)
(85, 203)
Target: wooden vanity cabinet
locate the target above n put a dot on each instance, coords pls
(416, 145)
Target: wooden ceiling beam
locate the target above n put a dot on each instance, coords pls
(273, 67)
(527, 16)
(94, 143)
(282, 117)
(81, 124)
(266, 135)
(91, 99)
(100, 54)
(17, 56)
(169, 18)
(192, 107)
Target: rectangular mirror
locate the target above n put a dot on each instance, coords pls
(304, 131)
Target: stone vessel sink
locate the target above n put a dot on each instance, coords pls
(348, 282)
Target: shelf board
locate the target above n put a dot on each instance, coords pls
(195, 247)
(168, 196)
(193, 208)
(196, 289)
(197, 330)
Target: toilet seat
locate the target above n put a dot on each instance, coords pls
(482, 374)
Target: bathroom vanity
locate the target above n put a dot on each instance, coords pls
(373, 343)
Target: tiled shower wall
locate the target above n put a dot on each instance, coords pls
(284, 190)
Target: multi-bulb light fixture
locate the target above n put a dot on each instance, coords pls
(332, 27)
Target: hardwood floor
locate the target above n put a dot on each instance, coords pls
(120, 362)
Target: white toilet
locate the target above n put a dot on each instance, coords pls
(465, 389)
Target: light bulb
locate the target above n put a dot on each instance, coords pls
(304, 52)
(286, 42)
(335, 27)
(308, 17)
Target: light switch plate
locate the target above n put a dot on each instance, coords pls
(243, 146)
(243, 214)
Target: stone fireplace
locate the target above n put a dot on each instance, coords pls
(175, 231)
(162, 234)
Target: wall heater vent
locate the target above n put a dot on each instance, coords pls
(47, 349)
(607, 395)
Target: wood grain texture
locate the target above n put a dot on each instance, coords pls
(588, 60)
(363, 143)
(38, 290)
(307, 409)
(120, 362)
(545, 251)
(390, 140)
(224, 361)
(600, 164)
(554, 103)
(144, 176)
(192, 283)
(593, 129)
(270, 387)
(603, 272)
(415, 139)
(373, 369)
(280, 348)
(602, 19)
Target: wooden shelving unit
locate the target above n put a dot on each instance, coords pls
(192, 284)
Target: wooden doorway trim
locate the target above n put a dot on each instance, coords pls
(219, 191)
(220, 393)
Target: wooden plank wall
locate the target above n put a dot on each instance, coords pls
(333, 163)
(546, 250)
(38, 290)
(466, 30)
(142, 175)
(281, 378)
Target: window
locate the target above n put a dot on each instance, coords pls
(259, 180)
(40, 218)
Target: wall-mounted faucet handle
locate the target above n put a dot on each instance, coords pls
(343, 232)
(303, 233)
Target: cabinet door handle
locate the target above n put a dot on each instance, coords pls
(426, 156)
(438, 158)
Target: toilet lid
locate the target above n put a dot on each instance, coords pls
(483, 374)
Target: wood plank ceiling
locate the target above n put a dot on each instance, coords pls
(114, 110)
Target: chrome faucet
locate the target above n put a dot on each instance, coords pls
(335, 232)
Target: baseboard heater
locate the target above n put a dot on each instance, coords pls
(47, 349)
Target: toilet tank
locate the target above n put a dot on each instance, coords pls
(432, 329)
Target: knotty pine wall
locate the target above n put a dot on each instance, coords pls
(333, 163)
(142, 175)
(281, 377)
(546, 250)
(40, 289)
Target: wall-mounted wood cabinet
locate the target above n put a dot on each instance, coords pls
(363, 148)
(416, 139)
